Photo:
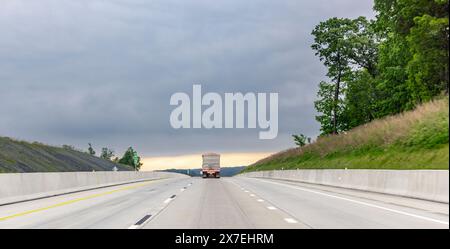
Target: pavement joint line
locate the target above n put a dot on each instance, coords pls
(73, 201)
(359, 202)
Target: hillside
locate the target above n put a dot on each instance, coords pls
(416, 139)
(20, 156)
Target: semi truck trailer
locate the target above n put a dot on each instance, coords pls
(211, 165)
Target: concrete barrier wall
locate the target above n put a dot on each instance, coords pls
(430, 185)
(23, 186)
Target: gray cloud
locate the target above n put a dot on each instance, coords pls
(78, 71)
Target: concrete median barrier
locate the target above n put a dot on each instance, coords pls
(17, 187)
(432, 185)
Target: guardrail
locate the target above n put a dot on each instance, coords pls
(430, 185)
(18, 187)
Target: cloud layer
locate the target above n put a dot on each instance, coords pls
(79, 71)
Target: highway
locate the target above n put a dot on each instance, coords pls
(235, 202)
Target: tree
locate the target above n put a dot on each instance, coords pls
(363, 45)
(428, 68)
(131, 158)
(301, 140)
(360, 99)
(91, 151)
(414, 53)
(331, 43)
(382, 67)
(326, 105)
(107, 153)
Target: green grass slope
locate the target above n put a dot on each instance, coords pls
(20, 156)
(416, 139)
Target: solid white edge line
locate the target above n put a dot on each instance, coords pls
(359, 202)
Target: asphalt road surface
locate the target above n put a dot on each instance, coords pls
(236, 202)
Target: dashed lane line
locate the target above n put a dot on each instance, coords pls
(290, 220)
(358, 202)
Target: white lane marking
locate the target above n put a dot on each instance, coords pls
(271, 208)
(252, 195)
(246, 191)
(170, 199)
(359, 202)
(182, 189)
(290, 220)
(260, 200)
(133, 227)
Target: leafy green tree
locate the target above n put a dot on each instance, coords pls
(363, 44)
(360, 100)
(328, 106)
(107, 153)
(331, 44)
(381, 67)
(361, 94)
(91, 150)
(129, 159)
(428, 68)
(394, 94)
(413, 61)
(301, 140)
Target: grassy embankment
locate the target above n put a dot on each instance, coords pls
(416, 139)
(21, 156)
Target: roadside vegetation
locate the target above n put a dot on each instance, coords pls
(384, 66)
(21, 156)
(378, 72)
(417, 139)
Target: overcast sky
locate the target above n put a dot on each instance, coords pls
(103, 71)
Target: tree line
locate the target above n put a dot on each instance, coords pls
(130, 156)
(383, 66)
